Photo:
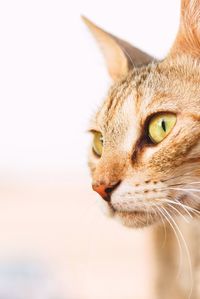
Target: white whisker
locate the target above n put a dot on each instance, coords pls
(164, 226)
(192, 210)
(162, 210)
(185, 219)
(185, 207)
(187, 251)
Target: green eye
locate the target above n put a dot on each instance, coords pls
(160, 126)
(98, 143)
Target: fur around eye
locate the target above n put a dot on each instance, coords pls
(97, 145)
(160, 126)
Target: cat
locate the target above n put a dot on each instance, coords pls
(145, 154)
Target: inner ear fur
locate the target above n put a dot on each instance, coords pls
(119, 55)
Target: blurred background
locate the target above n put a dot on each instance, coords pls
(55, 243)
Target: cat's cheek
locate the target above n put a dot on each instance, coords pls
(105, 208)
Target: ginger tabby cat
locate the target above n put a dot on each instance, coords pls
(145, 154)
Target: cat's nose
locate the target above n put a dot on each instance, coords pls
(105, 190)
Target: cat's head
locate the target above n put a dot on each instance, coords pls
(145, 153)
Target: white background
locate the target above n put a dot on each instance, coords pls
(52, 75)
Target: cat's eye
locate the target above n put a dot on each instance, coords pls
(97, 143)
(160, 126)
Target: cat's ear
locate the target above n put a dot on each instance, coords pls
(119, 55)
(188, 38)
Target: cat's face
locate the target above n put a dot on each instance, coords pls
(145, 154)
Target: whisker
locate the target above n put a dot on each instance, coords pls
(164, 227)
(186, 220)
(181, 205)
(187, 251)
(184, 189)
(178, 184)
(162, 210)
(188, 208)
(178, 176)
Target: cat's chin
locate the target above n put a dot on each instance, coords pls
(136, 219)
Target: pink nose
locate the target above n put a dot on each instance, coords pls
(104, 190)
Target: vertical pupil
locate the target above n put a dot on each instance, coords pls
(163, 124)
(101, 139)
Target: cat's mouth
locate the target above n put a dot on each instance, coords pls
(138, 216)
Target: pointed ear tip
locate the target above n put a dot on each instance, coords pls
(86, 20)
(83, 18)
(92, 26)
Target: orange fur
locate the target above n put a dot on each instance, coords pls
(188, 37)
